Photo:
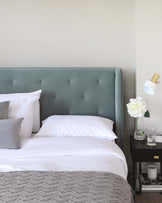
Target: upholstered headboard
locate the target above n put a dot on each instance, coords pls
(82, 91)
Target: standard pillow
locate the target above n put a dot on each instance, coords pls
(77, 126)
(4, 109)
(9, 133)
(25, 110)
(36, 112)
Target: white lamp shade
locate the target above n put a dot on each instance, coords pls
(149, 87)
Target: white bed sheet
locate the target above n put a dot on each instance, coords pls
(65, 154)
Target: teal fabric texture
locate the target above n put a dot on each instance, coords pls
(71, 91)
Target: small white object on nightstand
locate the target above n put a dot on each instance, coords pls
(159, 138)
(152, 172)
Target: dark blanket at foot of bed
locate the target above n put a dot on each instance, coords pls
(60, 187)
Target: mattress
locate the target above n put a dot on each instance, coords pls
(65, 154)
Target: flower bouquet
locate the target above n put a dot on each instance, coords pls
(137, 108)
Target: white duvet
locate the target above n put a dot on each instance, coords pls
(65, 154)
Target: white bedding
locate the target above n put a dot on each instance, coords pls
(65, 154)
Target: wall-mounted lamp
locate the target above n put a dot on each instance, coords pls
(150, 85)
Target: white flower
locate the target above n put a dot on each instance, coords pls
(136, 107)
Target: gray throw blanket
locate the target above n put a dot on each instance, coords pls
(62, 187)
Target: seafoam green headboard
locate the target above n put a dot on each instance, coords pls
(82, 91)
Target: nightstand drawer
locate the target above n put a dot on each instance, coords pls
(146, 156)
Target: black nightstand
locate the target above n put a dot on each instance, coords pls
(143, 153)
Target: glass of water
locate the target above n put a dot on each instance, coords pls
(151, 137)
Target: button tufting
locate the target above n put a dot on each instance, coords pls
(83, 96)
(41, 81)
(99, 81)
(13, 82)
(69, 81)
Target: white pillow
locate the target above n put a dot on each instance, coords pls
(77, 126)
(36, 111)
(25, 111)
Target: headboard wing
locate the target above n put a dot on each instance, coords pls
(82, 91)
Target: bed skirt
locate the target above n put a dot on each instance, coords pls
(60, 187)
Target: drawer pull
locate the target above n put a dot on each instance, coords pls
(156, 157)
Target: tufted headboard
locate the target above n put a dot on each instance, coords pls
(82, 91)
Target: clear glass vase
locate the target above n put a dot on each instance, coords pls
(139, 132)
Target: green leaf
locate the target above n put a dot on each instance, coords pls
(147, 114)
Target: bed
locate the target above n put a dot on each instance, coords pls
(69, 169)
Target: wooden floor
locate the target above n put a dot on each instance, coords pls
(149, 198)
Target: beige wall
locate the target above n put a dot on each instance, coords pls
(148, 26)
(70, 33)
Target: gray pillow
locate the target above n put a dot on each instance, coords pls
(9, 133)
(4, 109)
